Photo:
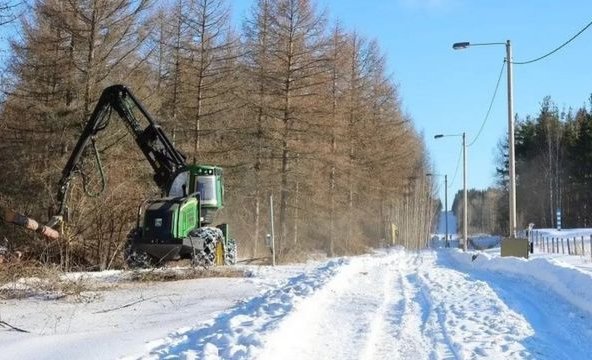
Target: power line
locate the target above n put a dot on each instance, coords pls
(490, 104)
(456, 170)
(555, 50)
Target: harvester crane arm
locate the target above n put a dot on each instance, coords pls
(166, 161)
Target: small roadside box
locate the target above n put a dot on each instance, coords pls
(518, 247)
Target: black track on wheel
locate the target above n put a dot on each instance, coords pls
(136, 258)
(210, 236)
(230, 252)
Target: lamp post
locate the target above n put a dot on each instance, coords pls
(512, 162)
(445, 204)
(465, 205)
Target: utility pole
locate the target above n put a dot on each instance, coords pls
(465, 203)
(446, 207)
(465, 211)
(512, 165)
(511, 150)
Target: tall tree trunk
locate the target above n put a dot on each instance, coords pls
(285, 142)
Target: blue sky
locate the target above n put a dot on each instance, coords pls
(447, 91)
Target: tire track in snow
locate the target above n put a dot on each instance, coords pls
(474, 321)
(398, 305)
(390, 311)
(418, 333)
(236, 334)
(398, 332)
(442, 345)
(369, 311)
(337, 321)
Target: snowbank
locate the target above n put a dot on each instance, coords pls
(568, 282)
(484, 241)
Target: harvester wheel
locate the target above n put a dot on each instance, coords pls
(230, 252)
(136, 258)
(211, 236)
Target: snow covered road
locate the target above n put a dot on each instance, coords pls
(394, 305)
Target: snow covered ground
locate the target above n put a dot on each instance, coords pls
(119, 317)
(393, 304)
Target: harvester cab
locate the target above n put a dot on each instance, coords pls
(207, 182)
(176, 225)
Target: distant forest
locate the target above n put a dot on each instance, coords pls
(553, 171)
(291, 105)
(553, 166)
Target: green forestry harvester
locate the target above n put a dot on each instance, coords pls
(176, 225)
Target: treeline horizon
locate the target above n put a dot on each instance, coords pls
(553, 167)
(291, 105)
(553, 152)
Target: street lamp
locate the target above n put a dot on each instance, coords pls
(465, 206)
(445, 203)
(512, 166)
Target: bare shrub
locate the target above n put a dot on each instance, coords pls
(29, 279)
(162, 275)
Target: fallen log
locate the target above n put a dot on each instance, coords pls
(13, 217)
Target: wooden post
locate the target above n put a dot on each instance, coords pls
(568, 247)
(583, 251)
(575, 246)
(562, 247)
(272, 230)
(545, 244)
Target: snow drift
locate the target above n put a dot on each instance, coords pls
(568, 282)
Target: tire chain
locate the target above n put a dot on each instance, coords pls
(135, 258)
(230, 252)
(207, 256)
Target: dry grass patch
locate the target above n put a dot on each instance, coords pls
(185, 274)
(24, 280)
(31, 280)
